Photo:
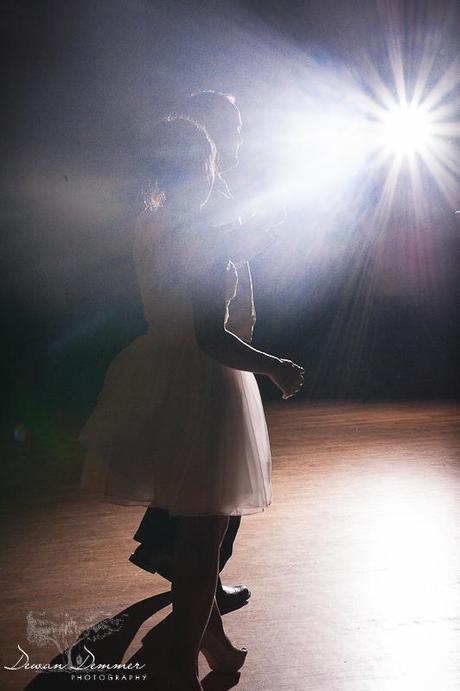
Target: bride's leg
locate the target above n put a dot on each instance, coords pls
(215, 625)
(217, 648)
(196, 571)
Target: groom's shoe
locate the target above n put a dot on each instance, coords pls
(233, 597)
(228, 597)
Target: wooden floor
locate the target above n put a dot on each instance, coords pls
(354, 569)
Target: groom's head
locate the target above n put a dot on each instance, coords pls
(222, 119)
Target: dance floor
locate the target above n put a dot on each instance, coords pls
(354, 569)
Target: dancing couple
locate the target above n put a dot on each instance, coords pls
(179, 425)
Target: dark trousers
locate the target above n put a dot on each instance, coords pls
(158, 532)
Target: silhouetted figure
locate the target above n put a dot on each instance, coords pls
(179, 424)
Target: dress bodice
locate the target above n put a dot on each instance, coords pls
(165, 257)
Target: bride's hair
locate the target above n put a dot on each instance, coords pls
(183, 156)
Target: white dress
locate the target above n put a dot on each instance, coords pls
(172, 427)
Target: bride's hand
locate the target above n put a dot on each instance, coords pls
(288, 377)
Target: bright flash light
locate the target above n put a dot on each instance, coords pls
(418, 134)
(406, 130)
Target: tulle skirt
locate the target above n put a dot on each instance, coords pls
(175, 429)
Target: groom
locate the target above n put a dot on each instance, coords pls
(157, 531)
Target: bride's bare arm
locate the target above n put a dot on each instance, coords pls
(208, 298)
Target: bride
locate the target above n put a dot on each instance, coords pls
(179, 423)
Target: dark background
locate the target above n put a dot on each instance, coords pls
(83, 82)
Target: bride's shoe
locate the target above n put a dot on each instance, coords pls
(222, 656)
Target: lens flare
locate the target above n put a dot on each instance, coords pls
(417, 126)
(20, 432)
(406, 129)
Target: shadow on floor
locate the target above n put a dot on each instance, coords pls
(107, 641)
